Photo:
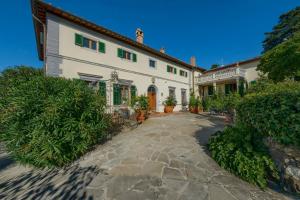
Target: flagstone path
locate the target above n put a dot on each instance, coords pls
(164, 158)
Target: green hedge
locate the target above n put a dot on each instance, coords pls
(51, 121)
(274, 111)
(241, 151)
(221, 103)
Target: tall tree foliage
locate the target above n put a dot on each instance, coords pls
(214, 66)
(289, 23)
(283, 61)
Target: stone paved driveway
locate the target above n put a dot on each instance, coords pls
(164, 158)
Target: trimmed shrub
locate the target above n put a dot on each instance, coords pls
(241, 151)
(52, 121)
(274, 111)
(221, 103)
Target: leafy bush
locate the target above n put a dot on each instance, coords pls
(195, 102)
(52, 121)
(241, 151)
(14, 76)
(141, 103)
(192, 101)
(170, 101)
(221, 103)
(274, 111)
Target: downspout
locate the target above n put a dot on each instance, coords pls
(193, 81)
(44, 42)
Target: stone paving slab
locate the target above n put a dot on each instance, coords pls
(163, 159)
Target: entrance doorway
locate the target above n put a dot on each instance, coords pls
(152, 97)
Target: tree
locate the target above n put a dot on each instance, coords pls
(289, 23)
(214, 66)
(282, 61)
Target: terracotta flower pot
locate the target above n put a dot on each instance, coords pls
(168, 109)
(194, 110)
(140, 116)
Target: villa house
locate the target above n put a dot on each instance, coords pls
(227, 79)
(122, 68)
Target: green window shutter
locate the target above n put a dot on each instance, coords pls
(210, 90)
(227, 88)
(175, 70)
(102, 89)
(168, 68)
(120, 53)
(185, 74)
(78, 39)
(117, 94)
(241, 89)
(134, 57)
(101, 47)
(133, 92)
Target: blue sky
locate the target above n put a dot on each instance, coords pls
(215, 31)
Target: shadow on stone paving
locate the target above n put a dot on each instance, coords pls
(5, 161)
(49, 184)
(205, 132)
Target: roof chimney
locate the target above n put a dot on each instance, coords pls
(193, 61)
(162, 50)
(139, 35)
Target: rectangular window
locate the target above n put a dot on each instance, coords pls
(230, 88)
(127, 55)
(183, 73)
(171, 69)
(88, 43)
(121, 94)
(210, 90)
(152, 63)
(172, 92)
(93, 45)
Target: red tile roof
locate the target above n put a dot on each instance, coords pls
(233, 64)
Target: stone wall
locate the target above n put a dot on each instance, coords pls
(287, 159)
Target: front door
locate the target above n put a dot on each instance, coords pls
(152, 98)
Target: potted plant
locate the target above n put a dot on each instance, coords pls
(141, 107)
(169, 104)
(193, 104)
(199, 104)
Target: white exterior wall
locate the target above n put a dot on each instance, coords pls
(251, 73)
(66, 59)
(196, 88)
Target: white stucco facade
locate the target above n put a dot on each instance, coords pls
(57, 42)
(66, 59)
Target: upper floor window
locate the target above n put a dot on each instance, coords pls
(152, 63)
(171, 69)
(127, 55)
(183, 73)
(89, 43)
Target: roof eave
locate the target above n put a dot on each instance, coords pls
(43, 7)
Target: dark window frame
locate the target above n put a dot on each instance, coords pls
(153, 62)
